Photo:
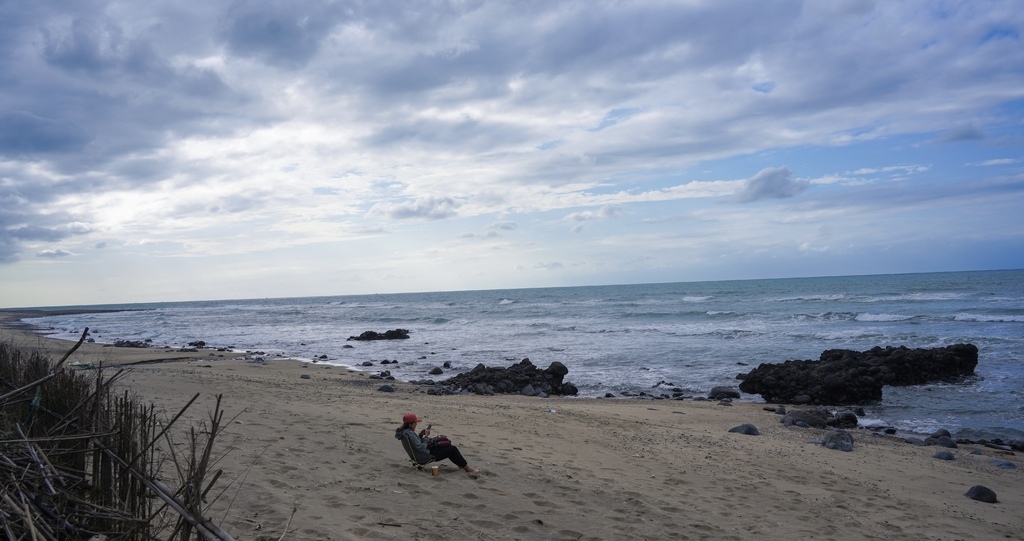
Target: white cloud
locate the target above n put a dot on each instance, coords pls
(53, 254)
(506, 225)
(605, 212)
(770, 183)
(424, 208)
(257, 129)
(996, 161)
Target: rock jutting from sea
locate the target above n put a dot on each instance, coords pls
(843, 377)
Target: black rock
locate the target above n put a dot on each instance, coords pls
(721, 391)
(941, 432)
(394, 334)
(840, 440)
(131, 343)
(944, 455)
(817, 418)
(747, 428)
(842, 376)
(1004, 464)
(517, 378)
(945, 441)
(305, 376)
(844, 419)
(386, 389)
(436, 371)
(981, 494)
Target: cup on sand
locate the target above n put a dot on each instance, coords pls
(433, 471)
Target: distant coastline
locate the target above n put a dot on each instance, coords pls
(12, 318)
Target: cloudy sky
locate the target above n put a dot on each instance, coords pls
(179, 150)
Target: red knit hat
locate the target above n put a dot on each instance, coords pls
(411, 418)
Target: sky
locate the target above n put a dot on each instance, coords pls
(181, 150)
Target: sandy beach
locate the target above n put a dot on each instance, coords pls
(310, 454)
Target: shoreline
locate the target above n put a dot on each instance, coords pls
(10, 319)
(28, 337)
(318, 439)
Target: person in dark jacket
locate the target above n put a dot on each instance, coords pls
(424, 450)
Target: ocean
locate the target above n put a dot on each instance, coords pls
(636, 338)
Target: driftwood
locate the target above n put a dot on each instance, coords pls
(78, 461)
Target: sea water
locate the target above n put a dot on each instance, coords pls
(636, 338)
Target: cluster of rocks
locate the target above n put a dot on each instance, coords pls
(521, 378)
(841, 376)
(372, 363)
(393, 334)
(818, 417)
(672, 392)
(133, 343)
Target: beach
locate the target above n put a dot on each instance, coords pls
(309, 453)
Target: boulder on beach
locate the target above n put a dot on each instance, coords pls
(843, 376)
(817, 418)
(839, 440)
(982, 494)
(747, 429)
(719, 392)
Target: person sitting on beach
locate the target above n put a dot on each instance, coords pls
(422, 448)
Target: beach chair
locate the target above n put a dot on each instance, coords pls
(407, 445)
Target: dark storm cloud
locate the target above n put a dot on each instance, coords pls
(20, 223)
(629, 39)
(282, 33)
(88, 46)
(88, 102)
(97, 96)
(24, 133)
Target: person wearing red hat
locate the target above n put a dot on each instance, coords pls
(426, 450)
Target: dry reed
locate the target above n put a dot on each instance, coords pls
(79, 461)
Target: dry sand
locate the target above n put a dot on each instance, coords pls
(590, 469)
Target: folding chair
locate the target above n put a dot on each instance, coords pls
(407, 445)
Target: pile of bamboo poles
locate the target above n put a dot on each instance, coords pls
(79, 461)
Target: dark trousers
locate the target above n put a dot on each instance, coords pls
(450, 452)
